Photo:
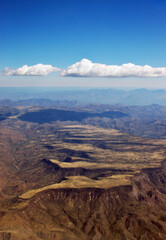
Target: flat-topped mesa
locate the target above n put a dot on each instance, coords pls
(88, 213)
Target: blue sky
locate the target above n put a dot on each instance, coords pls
(61, 33)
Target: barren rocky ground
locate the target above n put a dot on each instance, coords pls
(68, 180)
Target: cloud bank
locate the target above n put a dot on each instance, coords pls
(86, 68)
(35, 70)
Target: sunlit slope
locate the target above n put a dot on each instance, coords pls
(60, 180)
(79, 156)
(91, 147)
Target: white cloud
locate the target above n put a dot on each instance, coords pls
(35, 70)
(86, 68)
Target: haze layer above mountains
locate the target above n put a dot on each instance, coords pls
(84, 95)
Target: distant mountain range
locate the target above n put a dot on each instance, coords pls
(102, 96)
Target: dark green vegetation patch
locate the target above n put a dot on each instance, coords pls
(50, 115)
